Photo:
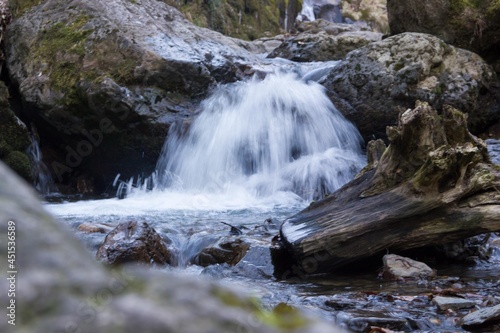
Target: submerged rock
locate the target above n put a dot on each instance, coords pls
(371, 84)
(396, 267)
(362, 321)
(133, 242)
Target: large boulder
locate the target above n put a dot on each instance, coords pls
(371, 84)
(102, 80)
(472, 25)
(55, 285)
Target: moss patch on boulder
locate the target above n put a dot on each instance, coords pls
(247, 20)
(14, 138)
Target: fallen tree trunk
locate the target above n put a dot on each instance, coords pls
(433, 184)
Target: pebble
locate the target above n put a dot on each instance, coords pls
(453, 303)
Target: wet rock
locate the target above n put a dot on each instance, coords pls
(470, 25)
(133, 242)
(95, 228)
(359, 321)
(482, 317)
(341, 304)
(228, 250)
(322, 46)
(257, 263)
(472, 249)
(453, 303)
(396, 267)
(373, 82)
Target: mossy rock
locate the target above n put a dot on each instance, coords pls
(19, 7)
(13, 134)
(81, 64)
(468, 24)
(21, 164)
(5, 149)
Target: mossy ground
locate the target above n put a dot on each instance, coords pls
(248, 19)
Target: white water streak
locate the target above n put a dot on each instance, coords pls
(277, 134)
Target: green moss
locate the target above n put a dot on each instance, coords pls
(399, 66)
(282, 316)
(62, 46)
(21, 164)
(438, 90)
(493, 9)
(13, 134)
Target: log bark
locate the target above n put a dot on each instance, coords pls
(433, 184)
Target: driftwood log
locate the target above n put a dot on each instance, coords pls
(433, 184)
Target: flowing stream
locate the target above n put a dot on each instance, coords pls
(258, 152)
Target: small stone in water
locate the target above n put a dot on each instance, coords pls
(397, 267)
(453, 303)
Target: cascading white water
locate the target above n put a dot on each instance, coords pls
(277, 134)
(43, 180)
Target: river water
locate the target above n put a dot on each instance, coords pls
(259, 152)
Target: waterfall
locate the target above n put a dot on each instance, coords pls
(329, 10)
(43, 180)
(307, 12)
(281, 133)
